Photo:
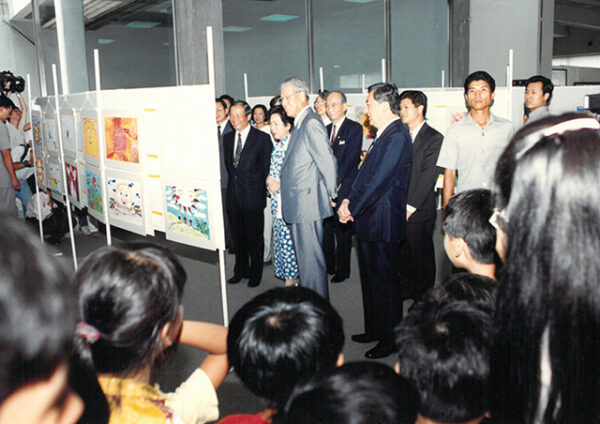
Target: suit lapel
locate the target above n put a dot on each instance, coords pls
(247, 145)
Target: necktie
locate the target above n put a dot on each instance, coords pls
(238, 151)
(333, 131)
(219, 130)
(364, 155)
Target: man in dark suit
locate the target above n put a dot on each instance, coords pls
(345, 138)
(377, 205)
(418, 255)
(223, 128)
(308, 182)
(247, 154)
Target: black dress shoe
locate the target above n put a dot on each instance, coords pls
(380, 351)
(337, 279)
(253, 283)
(234, 280)
(363, 338)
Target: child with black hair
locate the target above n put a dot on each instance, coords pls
(443, 350)
(355, 393)
(278, 339)
(463, 286)
(131, 319)
(469, 238)
(37, 320)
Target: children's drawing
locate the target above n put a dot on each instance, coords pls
(72, 181)
(40, 171)
(90, 136)
(67, 123)
(187, 211)
(50, 139)
(121, 138)
(37, 130)
(55, 181)
(94, 189)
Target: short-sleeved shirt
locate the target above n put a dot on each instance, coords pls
(5, 180)
(17, 148)
(474, 151)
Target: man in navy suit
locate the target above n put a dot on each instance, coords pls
(345, 138)
(377, 205)
(418, 255)
(247, 153)
(308, 182)
(223, 128)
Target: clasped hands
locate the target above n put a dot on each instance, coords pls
(273, 185)
(343, 212)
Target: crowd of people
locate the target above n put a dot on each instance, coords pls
(513, 339)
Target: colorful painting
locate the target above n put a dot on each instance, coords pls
(72, 181)
(40, 170)
(37, 130)
(90, 136)
(94, 190)
(67, 123)
(49, 126)
(55, 182)
(187, 211)
(121, 138)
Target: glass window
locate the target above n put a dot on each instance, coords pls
(265, 40)
(420, 42)
(349, 41)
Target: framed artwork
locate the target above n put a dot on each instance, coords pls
(121, 139)
(36, 128)
(187, 218)
(67, 124)
(40, 170)
(49, 136)
(89, 135)
(124, 191)
(54, 178)
(93, 183)
(72, 173)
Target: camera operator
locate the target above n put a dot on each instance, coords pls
(8, 178)
(21, 152)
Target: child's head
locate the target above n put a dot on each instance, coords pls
(356, 393)
(464, 286)
(129, 306)
(469, 237)
(281, 337)
(37, 323)
(443, 350)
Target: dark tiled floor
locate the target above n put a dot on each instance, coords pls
(202, 301)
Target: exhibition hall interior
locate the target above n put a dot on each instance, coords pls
(154, 64)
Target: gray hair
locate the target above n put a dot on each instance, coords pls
(297, 84)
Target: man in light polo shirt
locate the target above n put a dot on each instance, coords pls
(8, 179)
(472, 146)
(538, 93)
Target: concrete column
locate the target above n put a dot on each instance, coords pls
(191, 19)
(71, 46)
(546, 38)
(459, 41)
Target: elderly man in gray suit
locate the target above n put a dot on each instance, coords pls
(308, 182)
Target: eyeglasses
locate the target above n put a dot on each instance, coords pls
(583, 123)
(498, 219)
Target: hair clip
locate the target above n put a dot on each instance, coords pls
(87, 332)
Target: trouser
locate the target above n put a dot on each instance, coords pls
(308, 243)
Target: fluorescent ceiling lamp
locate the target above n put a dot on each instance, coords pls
(278, 18)
(142, 24)
(105, 41)
(360, 1)
(233, 28)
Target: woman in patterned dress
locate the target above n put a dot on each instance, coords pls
(284, 256)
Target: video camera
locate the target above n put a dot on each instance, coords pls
(10, 83)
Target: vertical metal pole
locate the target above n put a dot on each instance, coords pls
(387, 27)
(35, 8)
(37, 187)
(245, 86)
(175, 44)
(310, 44)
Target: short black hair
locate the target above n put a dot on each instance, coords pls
(443, 348)
(245, 105)
(465, 286)
(222, 102)
(6, 102)
(128, 294)
(547, 86)
(279, 110)
(280, 337)
(386, 92)
(37, 309)
(323, 94)
(274, 101)
(356, 393)
(480, 76)
(227, 97)
(467, 216)
(417, 97)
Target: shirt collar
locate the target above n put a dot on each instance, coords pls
(415, 132)
(224, 123)
(382, 129)
(244, 133)
(301, 115)
(339, 124)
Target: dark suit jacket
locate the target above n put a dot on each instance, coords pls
(378, 196)
(346, 148)
(424, 173)
(247, 181)
(224, 131)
